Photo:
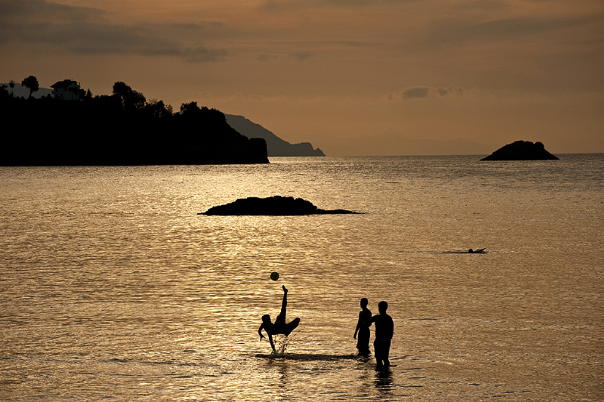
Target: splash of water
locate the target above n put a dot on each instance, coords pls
(281, 343)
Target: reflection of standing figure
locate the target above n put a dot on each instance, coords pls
(384, 330)
(363, 339)
(279, 327)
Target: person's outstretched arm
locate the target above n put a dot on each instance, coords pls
(368, 323)
(260, 331)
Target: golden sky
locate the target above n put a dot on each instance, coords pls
(339, 73)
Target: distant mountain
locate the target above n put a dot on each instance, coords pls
(20, 91)
(276, 146)
(393, 143)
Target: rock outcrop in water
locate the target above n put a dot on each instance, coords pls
(521, 150)
(274, 206)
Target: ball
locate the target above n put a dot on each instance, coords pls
(275, 276)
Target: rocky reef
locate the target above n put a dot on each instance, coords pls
(521, 150)
(275, 206)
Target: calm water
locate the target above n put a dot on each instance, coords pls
(112, 286)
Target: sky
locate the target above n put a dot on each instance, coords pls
(353, 77)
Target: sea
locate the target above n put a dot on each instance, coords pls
(114, 287)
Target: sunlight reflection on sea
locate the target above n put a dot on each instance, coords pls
(113, 286)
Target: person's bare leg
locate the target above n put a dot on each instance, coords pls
(284, 304)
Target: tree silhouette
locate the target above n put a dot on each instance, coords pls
(130, 98)
(157, 108)
(31, 83)
(121, 129)
(189, 108)
(11, 84)
(87, 96)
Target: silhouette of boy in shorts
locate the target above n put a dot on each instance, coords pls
(384, 330)
(279, 327)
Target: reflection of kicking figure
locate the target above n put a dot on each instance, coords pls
(279, 327)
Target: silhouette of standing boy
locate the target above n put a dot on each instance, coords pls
(384, 330)
(279, 327)
(363, 339)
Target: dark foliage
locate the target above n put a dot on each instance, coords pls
(119, 129)
(30, 83)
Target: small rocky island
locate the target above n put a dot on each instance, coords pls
(274, 206)
(521, 150)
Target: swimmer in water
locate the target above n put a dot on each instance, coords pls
(279, 327)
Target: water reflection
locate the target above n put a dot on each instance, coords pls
(113, 287)
(283, 376)
(383, 380)
(307, 357)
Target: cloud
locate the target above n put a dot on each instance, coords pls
(84, 30)
(202, 54)
(418, 92)
(308, 4)
(39, 10)
(465, 30)
(425, 92)
(301, 55)
(449, 91)
(264, 57)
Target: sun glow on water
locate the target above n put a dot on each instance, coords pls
(113, 286)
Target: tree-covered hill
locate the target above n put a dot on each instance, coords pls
(119, 129)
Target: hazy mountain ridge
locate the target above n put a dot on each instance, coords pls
(20, 91)
(275, 145)
(389, 143)
(393, 143)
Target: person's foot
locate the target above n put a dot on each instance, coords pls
(284, 289)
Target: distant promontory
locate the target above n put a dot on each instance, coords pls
(75, 128)
(275, 145)
(272, 206)
(521, 150)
